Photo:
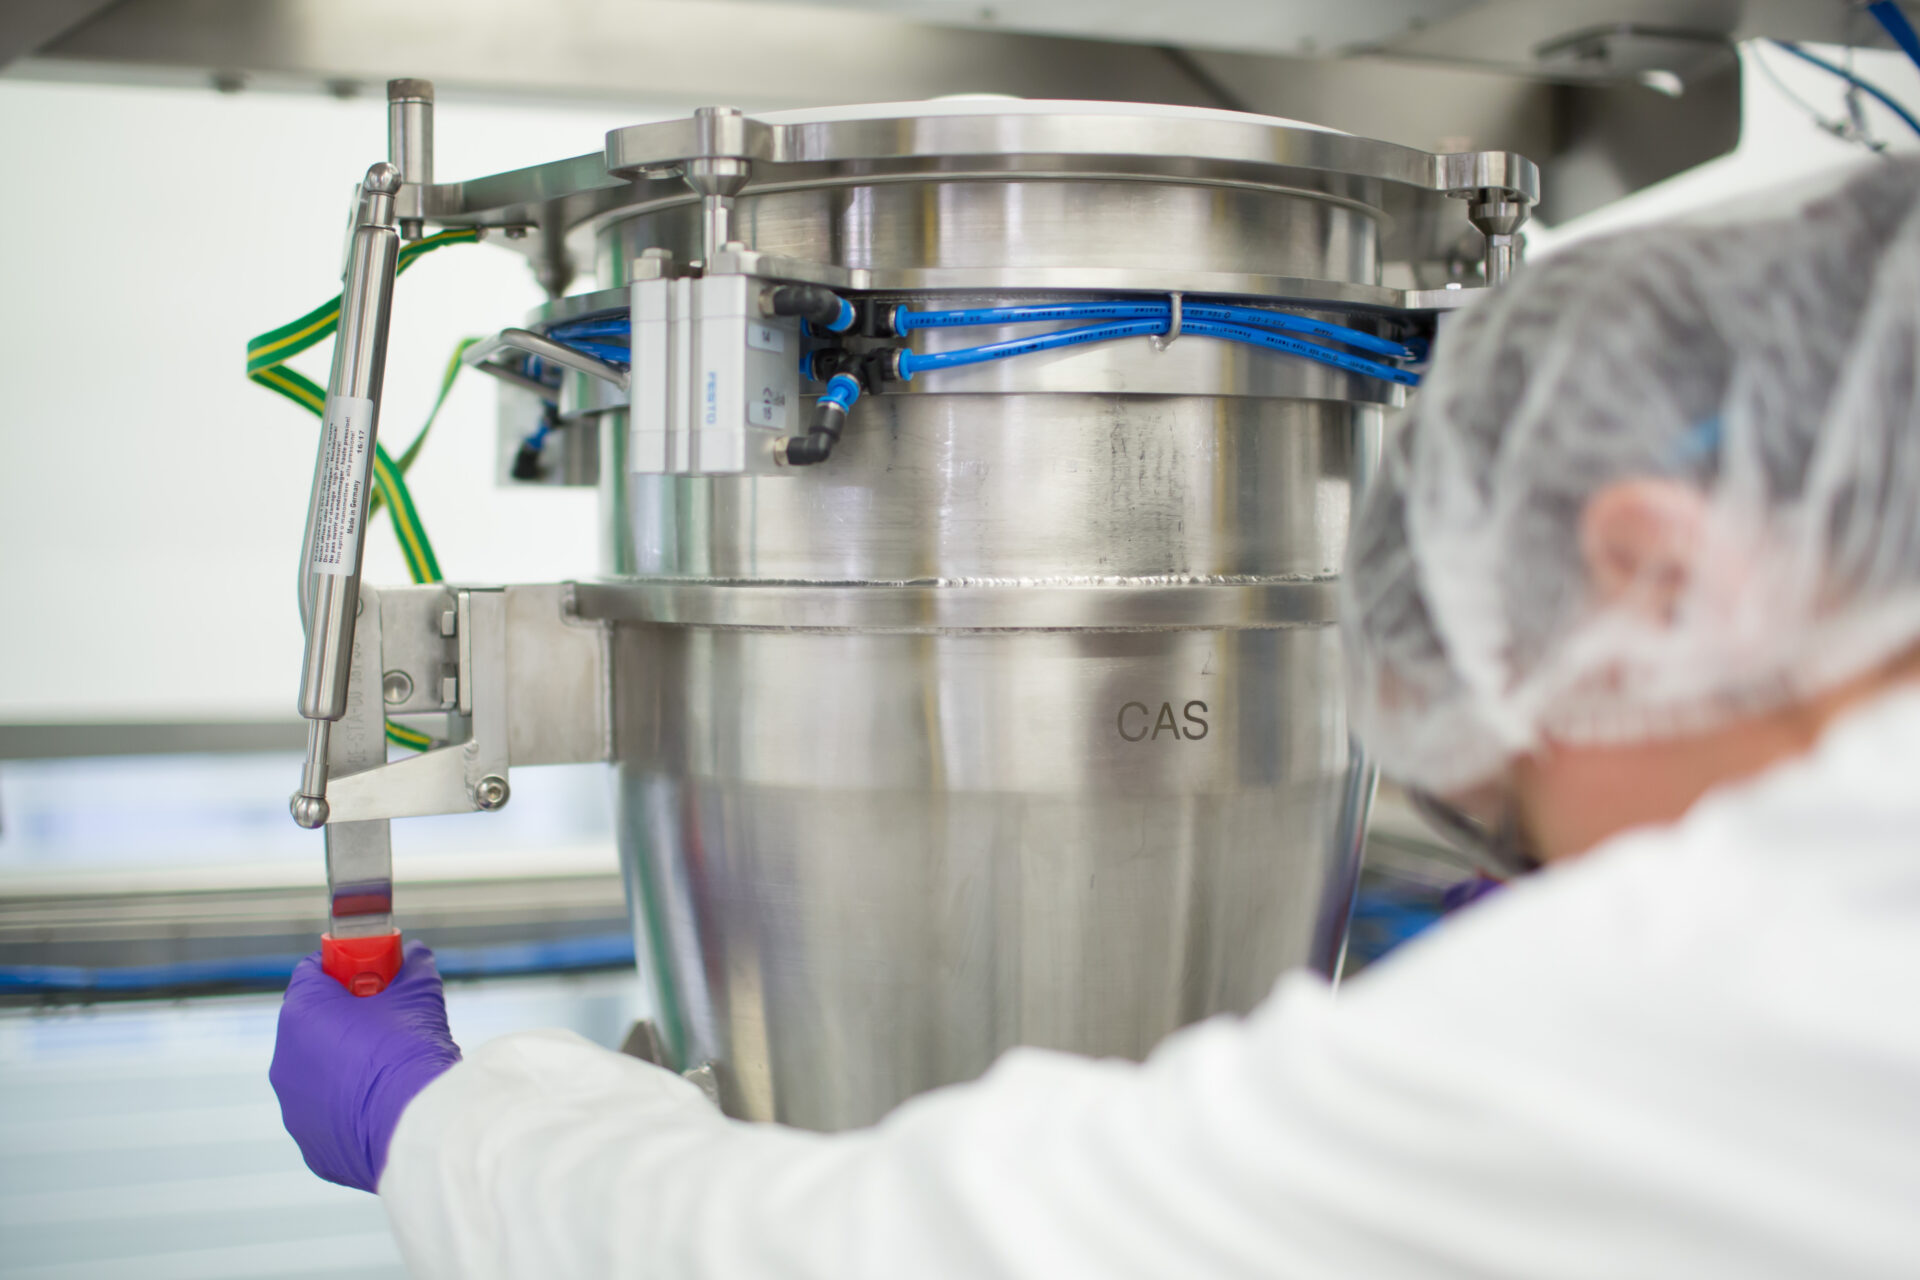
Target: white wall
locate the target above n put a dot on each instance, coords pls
(151, 498)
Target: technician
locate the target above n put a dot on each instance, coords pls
(1638, 586)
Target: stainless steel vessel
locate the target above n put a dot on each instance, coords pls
(1021, 722)
(1018, 720)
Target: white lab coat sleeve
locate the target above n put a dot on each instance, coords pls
(1690, 1054)
(1312, 1138)
(545, 1155)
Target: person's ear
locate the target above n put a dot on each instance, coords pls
(1642, 541)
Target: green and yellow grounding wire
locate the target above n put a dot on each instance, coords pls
(266, 364)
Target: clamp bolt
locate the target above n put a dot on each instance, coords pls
(491, 792)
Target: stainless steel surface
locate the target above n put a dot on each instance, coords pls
(309, 803)
(360, 854)
(445, 779)
(1490, 72)
(867, 864)
(1499, 218)
(1373, 208)
(410, 147)
(1146, 603)
(331, 599)
(1018, 721)
(481, 355)
(716, 173)
(961, 795)
(520, 676)
(559, 687)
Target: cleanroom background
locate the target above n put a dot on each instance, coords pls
(151, 504)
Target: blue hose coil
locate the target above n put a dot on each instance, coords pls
(599, 350)
(912, 362)
(610, 326)
(906, 321)
(1311, 351)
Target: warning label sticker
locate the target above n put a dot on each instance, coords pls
(348, 436)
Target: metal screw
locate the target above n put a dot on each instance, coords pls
(396, 686)
(491, 791)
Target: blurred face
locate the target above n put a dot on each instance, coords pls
(1644, 544)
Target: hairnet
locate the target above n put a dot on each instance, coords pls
(1769, 363)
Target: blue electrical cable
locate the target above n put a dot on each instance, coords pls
(906, 321)
(1885, 99)
(599, 951)
(1890, 17)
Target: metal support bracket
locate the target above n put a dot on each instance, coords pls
(360, 854)
(511, 665)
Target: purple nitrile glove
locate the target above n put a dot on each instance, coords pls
(346, 1066)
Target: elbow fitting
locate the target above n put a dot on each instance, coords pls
(812, 303)
(829, 420)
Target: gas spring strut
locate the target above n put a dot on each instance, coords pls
(330, 559)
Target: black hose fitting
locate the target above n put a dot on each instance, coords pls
(529, 462)
(526, 462)
(813, 303)
(877, 319)
(824, 362)
(883, 365)
(829, 419)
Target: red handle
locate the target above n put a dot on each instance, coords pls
(363, 966)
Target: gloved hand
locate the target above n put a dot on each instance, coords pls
(346, 1066)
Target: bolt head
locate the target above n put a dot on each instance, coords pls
(309, 811)
(491, 792)
(396, 687)
(383, 178)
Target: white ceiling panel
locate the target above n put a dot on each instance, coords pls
(1248, 26)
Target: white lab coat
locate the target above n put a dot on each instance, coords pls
(1694, 1052)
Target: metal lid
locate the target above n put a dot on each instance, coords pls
(1016, 134)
